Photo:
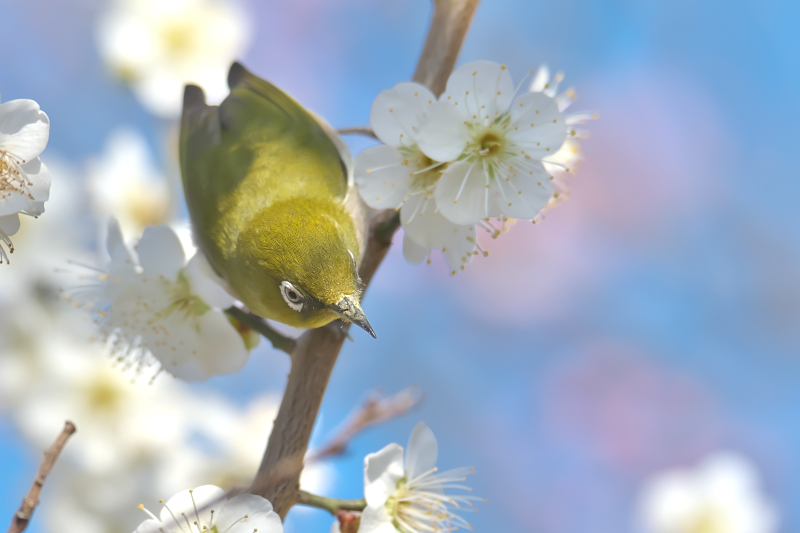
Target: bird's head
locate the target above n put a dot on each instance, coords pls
(299, 264)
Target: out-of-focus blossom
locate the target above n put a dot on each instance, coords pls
(397, 175)
(566, 160)
(411, 495)
(124, 183)
(24, 179)
(204, 509)
(720, 495)
(158, 310)
(159, 46)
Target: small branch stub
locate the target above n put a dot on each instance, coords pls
(23, 516)
(332, 505)
(375, 410)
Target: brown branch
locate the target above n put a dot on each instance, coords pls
(316, 351)
(451, 20)
(20, 520)
(357, 130)
(374, 410)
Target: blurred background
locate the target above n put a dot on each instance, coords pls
(649, 321)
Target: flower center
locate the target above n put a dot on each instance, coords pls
(12, 179)
(102, 396)
(183, 301)
(707, 522)
(490, 144)
(425, 172)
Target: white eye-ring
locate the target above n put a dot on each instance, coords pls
(292, 296)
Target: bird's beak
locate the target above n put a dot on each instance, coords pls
(350, 309)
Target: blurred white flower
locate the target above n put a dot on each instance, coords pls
(204, 509)
(125, 183)
(159, 46)
(411, 497)
(160, 309)
(720, 495)
(24, 179)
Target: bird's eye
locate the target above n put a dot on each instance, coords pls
(292, 296)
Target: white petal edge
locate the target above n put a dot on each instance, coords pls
(382, 179)
(160, 252)
(442, 134)
(24, 129)
(423, 450)
(204, 282)
(397, 112)
(259, 512)
(375, 519)
(481, 88)
(382, 471)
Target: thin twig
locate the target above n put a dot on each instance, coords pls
(20, 520)
(332, 505)
(316, 351)
(279, 341)
(374, 410)
(358, 130)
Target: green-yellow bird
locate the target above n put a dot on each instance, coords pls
(269, 190)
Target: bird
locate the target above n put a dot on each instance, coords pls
(270, 194)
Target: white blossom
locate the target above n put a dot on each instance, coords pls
(125, 183)
(720, 495)
(159, 46)
(398, 175)
(204, 510)
(410, 496)
(495, 143)
(158, 309)
(24, 179)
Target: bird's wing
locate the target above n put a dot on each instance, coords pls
(258, 147)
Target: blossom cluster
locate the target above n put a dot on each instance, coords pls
(483, 150)
(154, 309)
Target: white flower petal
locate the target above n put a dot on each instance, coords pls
(540, 80)
(39, 176)
(396, 112)
(481, 88)
(383, 180)
(442, 134)
(24, 129)
(540, 126)
(195, 505)
(222, 348)
(9, 224)
(375, 519)
(414, 252)
(160, 252)
(206, 284)
(525, 194)
(423, 451)
(462, 194)
(382, 471)
(258, 510)
(427, 229)
(150, 526)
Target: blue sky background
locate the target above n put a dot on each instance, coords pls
(651, 319)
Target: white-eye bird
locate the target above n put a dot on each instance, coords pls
(270, 193)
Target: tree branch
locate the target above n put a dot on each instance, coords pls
(451, 20)
(279, 341)
(358, 130)
(316, 351)
(21, 519)
(374, 410)
(331, 505)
